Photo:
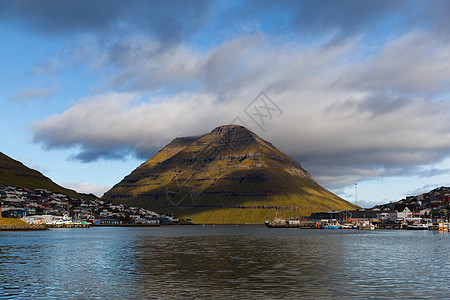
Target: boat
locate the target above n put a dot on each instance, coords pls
(348, 226)
(418, 226)
(59, 220)
(443, 226)
(334, 225)
(331, 226)
(366, 226)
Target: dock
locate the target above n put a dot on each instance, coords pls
(301, 225)
(126, 225)
(69, 225)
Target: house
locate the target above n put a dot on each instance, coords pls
(106, 213)
(81, 209)
(382, 215)
(401, 213)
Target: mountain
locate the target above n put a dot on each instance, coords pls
(14, 173)
(229, 175)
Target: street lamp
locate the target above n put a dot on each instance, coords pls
(356, 193)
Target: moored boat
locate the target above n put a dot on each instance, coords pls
(366, 226)
(443, 226)
(330, 226)
(348, 226)
(418, 226)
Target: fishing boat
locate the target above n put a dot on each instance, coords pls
(348, 226)
(418, 226)
(330, 226)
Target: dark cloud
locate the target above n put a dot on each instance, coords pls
(168, 21)
(339, 20)
(432, 15)
(176, 20)
(373, 106)
(432, 172)
(382, 160)
(381, 104)
(345, 17)
(87, 154)
(335, 19)
(337, 175)
(52, 16)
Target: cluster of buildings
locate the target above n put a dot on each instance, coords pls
(433, 206)
(40, 206)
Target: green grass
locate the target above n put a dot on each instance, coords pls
(11, 221)
(14, 173)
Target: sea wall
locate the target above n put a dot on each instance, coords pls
(22, 227)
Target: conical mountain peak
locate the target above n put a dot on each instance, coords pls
(229, 175)
(231, 129)
(231, 133)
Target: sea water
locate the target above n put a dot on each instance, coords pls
(224, 261)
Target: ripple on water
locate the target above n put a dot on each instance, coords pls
(223, 261)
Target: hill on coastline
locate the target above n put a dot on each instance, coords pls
(15, 173)
(229, 175)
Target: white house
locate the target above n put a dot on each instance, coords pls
(400, 215)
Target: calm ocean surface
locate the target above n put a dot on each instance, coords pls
(224, 262)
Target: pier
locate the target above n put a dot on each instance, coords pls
(69, 225)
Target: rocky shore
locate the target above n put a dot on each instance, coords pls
(22, 227)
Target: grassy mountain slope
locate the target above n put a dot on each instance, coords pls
(14, 173)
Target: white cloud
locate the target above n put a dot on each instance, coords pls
(342, 119)
(415, 63)
(86, 187)
(113, 124)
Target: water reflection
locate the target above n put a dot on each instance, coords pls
(223, 261)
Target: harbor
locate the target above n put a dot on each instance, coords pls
(358, 220)
(361, 226)
(225, 261)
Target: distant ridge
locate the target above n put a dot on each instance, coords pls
(229, 175)
(15, 173)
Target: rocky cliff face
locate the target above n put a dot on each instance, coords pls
(230, 175)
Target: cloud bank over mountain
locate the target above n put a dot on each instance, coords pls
(363, 86)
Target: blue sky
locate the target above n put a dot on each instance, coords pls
(91, 89)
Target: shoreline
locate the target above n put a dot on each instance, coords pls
(22, 227)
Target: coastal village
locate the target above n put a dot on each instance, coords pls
(426, 211)
(40, 206)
